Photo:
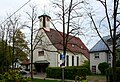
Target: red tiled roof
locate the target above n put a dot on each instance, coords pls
(74, 43)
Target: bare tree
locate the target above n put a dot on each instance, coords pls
(68, 16)
(110, 21)
(14, 21)
(9, 30)
(6, 32)
(34, 41)
(3, 47)
(32, 16)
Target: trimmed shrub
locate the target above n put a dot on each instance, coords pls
(13, 76)
(118, 74)
(87, 65)
(82, 71)
(110, 75)
(108, 72)
(53, 72)
(102, 67)
(70, 72)
(118, 63)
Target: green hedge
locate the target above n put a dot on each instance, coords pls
(70, 72)
(118, 73)
(109, 73)
(53, 72)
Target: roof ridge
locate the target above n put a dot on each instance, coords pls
(105, 38)
(56, 37)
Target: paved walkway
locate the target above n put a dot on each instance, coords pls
(40, 75)
(43, 76)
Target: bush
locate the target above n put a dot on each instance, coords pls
(118, 74)
(87, 65)
(110, 75)
(12, 76)
(118, 63)
(102, 67)
(53, 72)
(70, 72)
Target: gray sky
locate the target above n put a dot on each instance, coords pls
(10, 6)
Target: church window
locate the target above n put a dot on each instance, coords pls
(44, 25)
(67, 62)
(48, 19)
(40, 19)
(77, 61)
(73, 45)
(40, 53)
(72, 60)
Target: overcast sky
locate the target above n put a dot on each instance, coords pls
(10, 6)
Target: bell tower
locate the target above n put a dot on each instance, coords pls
(44, 21)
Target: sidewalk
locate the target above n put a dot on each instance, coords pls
(43, 76)
(40, 75)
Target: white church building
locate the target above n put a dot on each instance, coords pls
(49, 48)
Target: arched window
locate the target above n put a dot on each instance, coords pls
(44, 25)
(72, 60)
(77, 61)
(67, 60)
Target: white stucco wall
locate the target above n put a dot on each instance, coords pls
(95, 61)
(82, 58)
(51, 56)
(48, 49)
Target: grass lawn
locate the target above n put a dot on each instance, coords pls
(42, 80)
(96, 78)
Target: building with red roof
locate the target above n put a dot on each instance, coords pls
(49, 48)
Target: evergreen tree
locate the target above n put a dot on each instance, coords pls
(21, 47)
(5, 56)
